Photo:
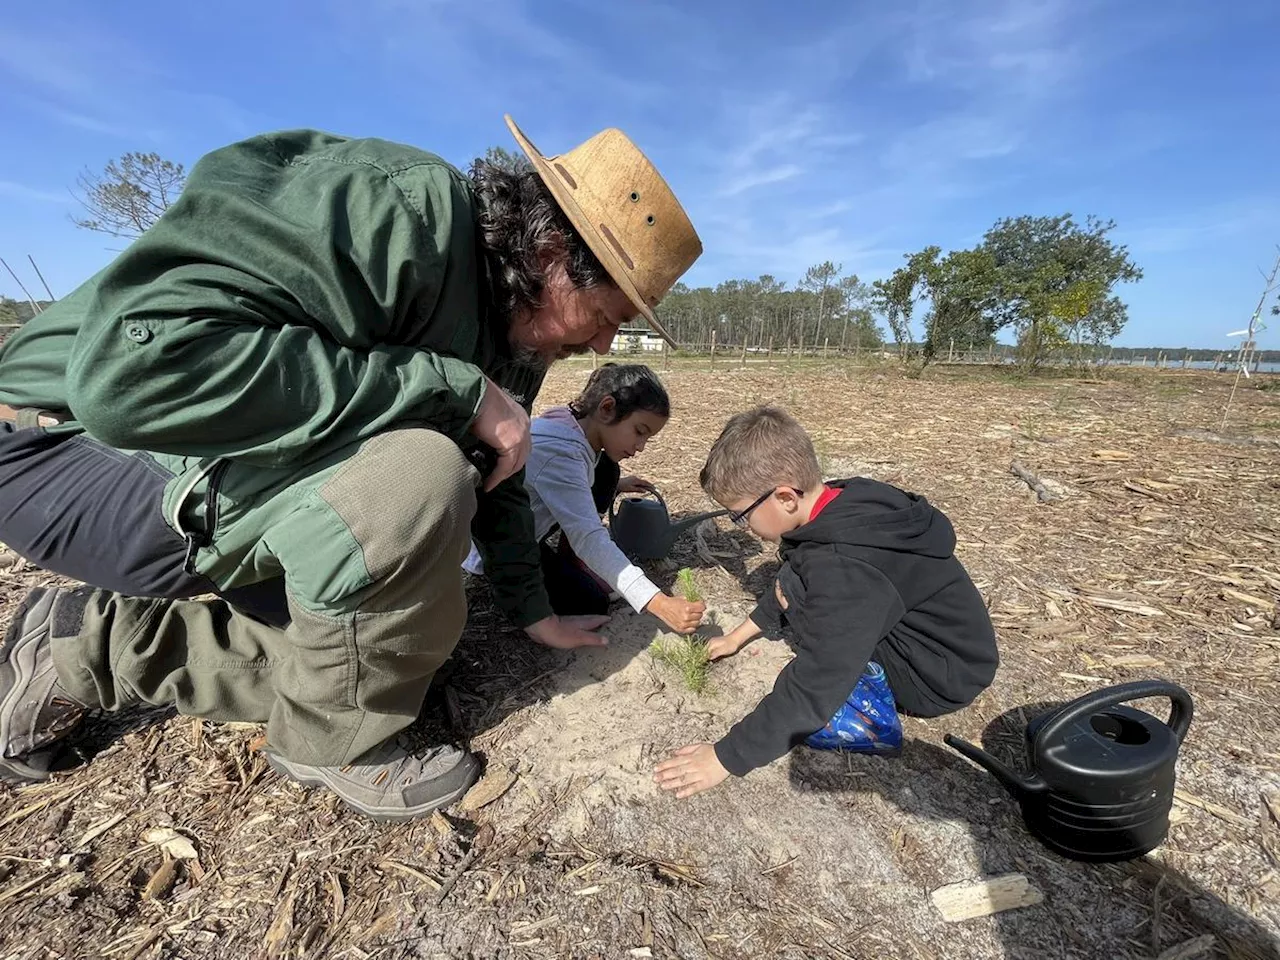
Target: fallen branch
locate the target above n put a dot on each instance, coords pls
(1044, 494)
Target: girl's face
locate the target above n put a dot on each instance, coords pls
(627, 436)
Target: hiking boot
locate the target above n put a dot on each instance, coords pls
(34, 709)
(867, 722)
(389, 782)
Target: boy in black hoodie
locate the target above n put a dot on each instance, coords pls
(870, 593)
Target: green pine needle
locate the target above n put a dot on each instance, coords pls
(687, 655)
(684, 579)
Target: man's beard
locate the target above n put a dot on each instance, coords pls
(528, 356)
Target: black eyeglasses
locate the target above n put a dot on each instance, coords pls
(740, 518)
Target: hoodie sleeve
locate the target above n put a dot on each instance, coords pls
(563, 484)
(847, 608)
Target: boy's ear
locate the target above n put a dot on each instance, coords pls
(787, 497)
(607, 407)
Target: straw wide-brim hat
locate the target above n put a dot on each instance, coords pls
(616, 199)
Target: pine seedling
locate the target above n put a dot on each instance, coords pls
(684, 580)
(688, 655)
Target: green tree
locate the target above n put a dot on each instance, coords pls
(508, 159)
(7, 312)
(130, 194)
(818, 280)
(1051, 275)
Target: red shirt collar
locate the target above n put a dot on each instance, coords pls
(828, 494)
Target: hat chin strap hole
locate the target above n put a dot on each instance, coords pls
(635, 197)
(650, 220)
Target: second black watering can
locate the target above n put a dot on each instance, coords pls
(1102, 774)
(643, 530)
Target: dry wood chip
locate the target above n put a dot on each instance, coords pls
(1134, 660)
(965, 901)
(411, 872)
(1246, 598)
(528, 927)
(98, 829)
(440, 823)
(1126, 606)
(171, 842)
(490, 787)
(1208, 806)
(161, 881)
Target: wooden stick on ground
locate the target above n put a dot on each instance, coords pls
(1035, 483)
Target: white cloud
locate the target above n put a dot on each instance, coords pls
(759, 178)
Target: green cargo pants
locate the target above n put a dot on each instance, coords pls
(370, 546)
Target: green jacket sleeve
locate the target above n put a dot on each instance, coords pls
(288, 303)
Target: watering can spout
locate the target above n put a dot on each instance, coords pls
(683, 525)
(1011, 781)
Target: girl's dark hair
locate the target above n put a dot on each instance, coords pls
(520, 223)
(633, 387)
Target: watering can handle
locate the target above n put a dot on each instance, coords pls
(613, 504)
(1179, 717)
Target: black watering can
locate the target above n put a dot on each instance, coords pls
(643, 530)
(1101, 781)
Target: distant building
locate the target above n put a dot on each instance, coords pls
(635, 340)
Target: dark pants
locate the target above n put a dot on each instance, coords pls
(571, 588)
(92, 513)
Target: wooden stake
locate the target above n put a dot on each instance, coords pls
(744, 352)
(713, 349)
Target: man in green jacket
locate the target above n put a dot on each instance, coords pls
(304, 391)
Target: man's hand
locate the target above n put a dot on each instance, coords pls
(631, 484)
(690, 770)
(677, 613)
(504, 426)
(568, 633)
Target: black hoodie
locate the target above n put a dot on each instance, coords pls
(873, 575)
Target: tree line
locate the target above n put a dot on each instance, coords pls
(1047, 282)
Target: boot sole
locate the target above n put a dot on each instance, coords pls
(464, 775)
(18, 670)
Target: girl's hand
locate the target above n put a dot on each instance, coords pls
(631, 484)
(690, 770)
(678, 614)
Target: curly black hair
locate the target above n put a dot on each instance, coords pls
(520, 223)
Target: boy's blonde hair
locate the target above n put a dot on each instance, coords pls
(759, 449)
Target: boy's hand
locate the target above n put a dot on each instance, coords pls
(690, 770)
(678, 614)
(630, 484)
(725, 646)
(733, 641)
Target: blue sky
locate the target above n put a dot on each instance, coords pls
(793, 133)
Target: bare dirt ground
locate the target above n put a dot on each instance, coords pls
(1161, 558)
